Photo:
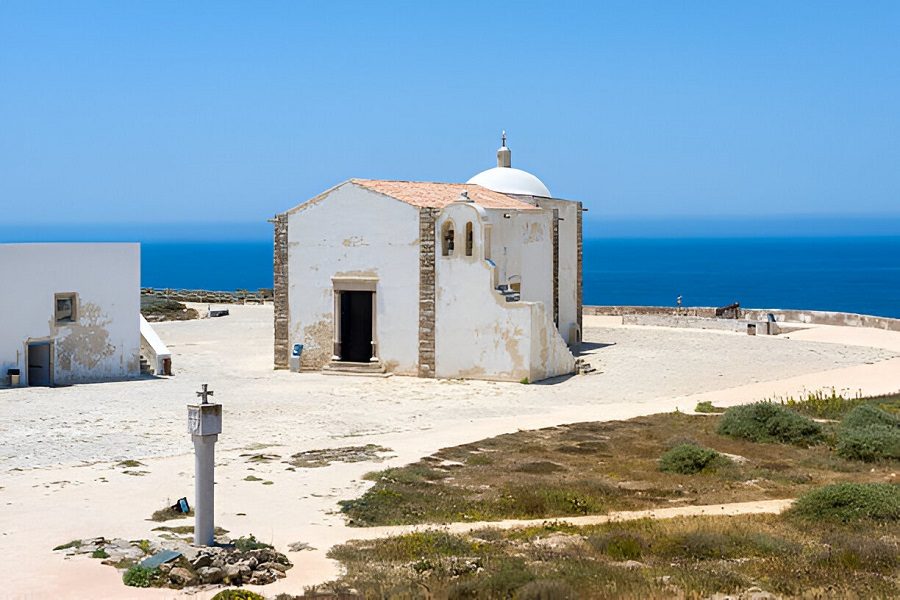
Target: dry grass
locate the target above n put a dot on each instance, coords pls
(589, 468)
(680, 558)
(311, 459)
(168, 513)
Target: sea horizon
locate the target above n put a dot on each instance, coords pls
(814, 270)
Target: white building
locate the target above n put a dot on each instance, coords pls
(474, 280)
(69, 313)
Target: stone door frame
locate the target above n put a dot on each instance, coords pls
(354, 284)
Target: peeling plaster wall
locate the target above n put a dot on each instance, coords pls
(104, 343)
(550, 356)
(351, 231)
(478, 334)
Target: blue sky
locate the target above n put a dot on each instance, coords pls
(119, 112)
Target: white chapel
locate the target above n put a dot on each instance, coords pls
(477, 280)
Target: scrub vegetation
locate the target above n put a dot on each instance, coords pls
(706, 407)
(870, 434)
(157, 309)
(168, 513)
(822, 405)
(671, 558)
(689, 459)
(770, 422)
(756, 452)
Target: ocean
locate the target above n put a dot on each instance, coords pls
(852, 274)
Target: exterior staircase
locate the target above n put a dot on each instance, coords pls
(145, 366)
(583, 367)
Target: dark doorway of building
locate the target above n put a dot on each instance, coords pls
(39, 372)
(356, 326)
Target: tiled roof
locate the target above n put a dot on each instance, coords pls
(426, 194)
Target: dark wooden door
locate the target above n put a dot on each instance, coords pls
(356, 326)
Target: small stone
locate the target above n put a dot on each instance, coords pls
(202, 560)
(233, 574)
(182, 577)
(274, 566)
(211, 574)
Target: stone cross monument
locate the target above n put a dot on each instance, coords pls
(204, 425)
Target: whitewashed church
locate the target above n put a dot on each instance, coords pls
(476, 280)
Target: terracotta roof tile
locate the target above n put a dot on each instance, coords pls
(426, 194)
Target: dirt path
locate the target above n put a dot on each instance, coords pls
(730, 510)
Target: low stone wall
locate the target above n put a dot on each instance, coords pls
(618, 311)
(261, 296)
(814, 317)
(736, 325)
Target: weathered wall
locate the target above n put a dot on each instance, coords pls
(688, 311)
(817, 317)
(280, 278)
(427, 245)
(104, 342)
(351, 231)
(550, 356)
(689, 322)
(478, 334)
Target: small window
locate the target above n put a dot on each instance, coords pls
(66, 308)
(470, 239)
(447, 238)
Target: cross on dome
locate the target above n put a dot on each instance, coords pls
(505, 179)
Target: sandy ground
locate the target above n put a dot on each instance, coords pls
(59, 447)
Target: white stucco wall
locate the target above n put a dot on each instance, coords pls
(550, 356)
(104, 343)
(351, 231)
(522, 249)
(477, 333)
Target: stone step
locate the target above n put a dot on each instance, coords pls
(364, 369)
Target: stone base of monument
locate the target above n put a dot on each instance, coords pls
(244, 562)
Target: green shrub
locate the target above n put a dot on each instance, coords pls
(867, 415)
(707, 407)
(847, 502)
(869, 433)
(250, 542)
(238, 595)
(99, 553)
(687, 459)
(769, 422)
(871, 443)
(138, 576)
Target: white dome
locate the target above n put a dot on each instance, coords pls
(508, 180)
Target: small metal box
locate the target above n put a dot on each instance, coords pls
(205, 419)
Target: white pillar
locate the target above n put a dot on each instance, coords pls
(204, 425)
(204, 489)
